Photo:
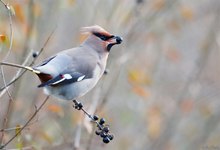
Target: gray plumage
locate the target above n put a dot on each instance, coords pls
(72, 73)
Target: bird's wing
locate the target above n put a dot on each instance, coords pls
(45, 61)
(68, 67)
(63, 79)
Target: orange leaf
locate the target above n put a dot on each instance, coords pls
(154, 121)
(54, 108)
(140, 91)
(19, 12)
(2, 38)
(186, 12)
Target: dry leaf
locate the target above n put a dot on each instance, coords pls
(154, 121)
(19, 143)
(17, 130)
(19, 12)
(2, 38)
(186, 12)
(54, 108)
(138, 76)
(141, 91)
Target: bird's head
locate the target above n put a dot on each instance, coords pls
(108, 40)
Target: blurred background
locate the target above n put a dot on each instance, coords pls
(163, 86)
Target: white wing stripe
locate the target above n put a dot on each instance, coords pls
(81, 78)
(67, 76)
(58, 81)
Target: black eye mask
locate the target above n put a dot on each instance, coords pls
(103, 37)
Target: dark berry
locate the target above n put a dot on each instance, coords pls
(103, 134)
(97, 132)
(80, 106)
(106, 71)
(102, 121)
(111, 137)
(35, 54)
(106, 140)
(95, 117)
(106, 129)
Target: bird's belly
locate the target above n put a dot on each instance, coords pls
(71, 91)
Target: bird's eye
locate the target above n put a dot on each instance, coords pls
(103, 37)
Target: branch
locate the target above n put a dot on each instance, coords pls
(26, 124)
(2, 70)
(10, 47)
(14, 128)
(103, 130)
(16, 77)
(20, 72)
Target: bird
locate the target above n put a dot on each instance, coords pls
(70, 74)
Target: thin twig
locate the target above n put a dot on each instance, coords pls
(10, 47)
(27, 123)
(20, 72)
(3, 3)
(14, 128)
(2, 71)
(103, 130)
(9, 129)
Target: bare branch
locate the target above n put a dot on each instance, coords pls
(26, 124)
(14, 128)
(4, 4)
(2, 71)
(103, 129)
(20, 72)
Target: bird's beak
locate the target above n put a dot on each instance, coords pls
(115, 40)
(118, 39)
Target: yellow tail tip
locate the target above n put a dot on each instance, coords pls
(31, 69)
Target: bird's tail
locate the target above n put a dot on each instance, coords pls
(20, 66)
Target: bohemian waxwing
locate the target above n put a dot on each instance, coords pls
(71, 73)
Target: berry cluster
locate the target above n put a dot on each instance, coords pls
(103, 130)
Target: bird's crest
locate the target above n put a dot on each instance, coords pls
(94, 29)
